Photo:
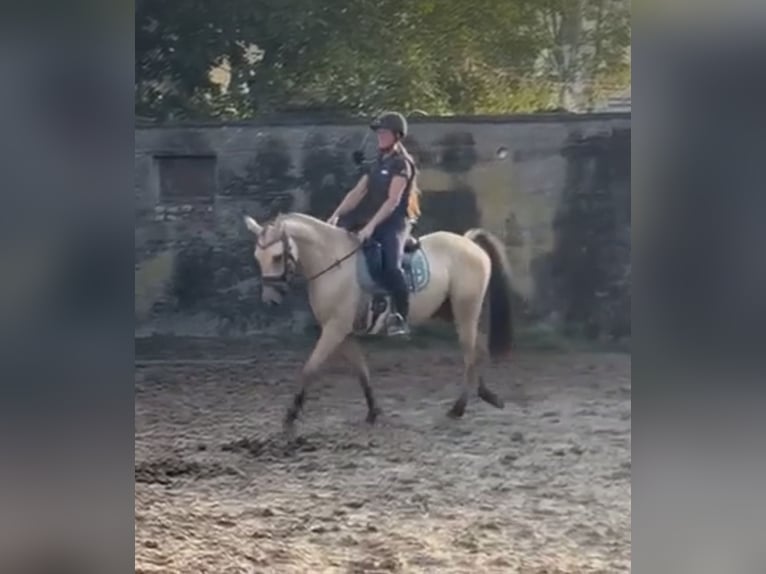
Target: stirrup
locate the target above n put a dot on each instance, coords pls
(396, 326)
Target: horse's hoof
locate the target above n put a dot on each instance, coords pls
(489, 397)
(458, 409)
(288, 424)
(288, 433)
(372, 415)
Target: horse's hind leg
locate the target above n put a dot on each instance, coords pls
(466, 311)
(352, 351)
(485, 393)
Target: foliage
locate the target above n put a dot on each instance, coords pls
(586, 42)
(361, 56)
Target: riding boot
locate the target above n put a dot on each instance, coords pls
(397, 323)
(391, 239)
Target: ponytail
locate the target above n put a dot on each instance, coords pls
(413, 206)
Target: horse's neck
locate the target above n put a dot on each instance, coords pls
(319, 244)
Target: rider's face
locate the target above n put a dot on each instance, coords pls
(386, 138)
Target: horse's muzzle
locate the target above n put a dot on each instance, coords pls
(273, 293)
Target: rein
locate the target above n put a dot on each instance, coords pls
(290, 261)
(334, 265)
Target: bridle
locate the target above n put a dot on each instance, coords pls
(282, 281)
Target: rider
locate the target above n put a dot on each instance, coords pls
(390, 186)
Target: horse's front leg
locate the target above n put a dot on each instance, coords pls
(352, 351)
(328, 342)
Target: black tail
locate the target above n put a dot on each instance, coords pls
(500, 312)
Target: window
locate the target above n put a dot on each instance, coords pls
(187, 179)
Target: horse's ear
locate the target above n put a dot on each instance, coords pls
(252, 225)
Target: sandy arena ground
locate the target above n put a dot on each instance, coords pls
(542, 486)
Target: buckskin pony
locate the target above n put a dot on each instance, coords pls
(449, 276)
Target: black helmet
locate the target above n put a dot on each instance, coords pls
(393, 121)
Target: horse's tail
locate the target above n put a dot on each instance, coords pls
(500, 312)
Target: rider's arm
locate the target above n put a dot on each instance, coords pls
(352, 198)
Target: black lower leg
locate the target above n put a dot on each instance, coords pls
(368, 396)
(399, 292)
(391, 243)
(372, 407)
(458, 408)
(296, 406)
(489, 396)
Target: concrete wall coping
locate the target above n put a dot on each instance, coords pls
(293, 120)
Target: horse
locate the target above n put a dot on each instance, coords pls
(449, 276)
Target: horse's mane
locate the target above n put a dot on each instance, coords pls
(308, 219)
(302, 217)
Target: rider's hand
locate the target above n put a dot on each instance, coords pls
(365, 233)
(333, 220)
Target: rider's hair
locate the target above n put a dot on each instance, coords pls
(413, 207)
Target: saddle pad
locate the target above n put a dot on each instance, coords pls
(417, 273)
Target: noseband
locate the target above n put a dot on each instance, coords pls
(283, 280)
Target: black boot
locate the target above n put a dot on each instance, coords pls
(396, 324)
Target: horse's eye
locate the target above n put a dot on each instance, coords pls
(277, 258)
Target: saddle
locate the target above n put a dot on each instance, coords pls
(369, 271)
(376, 306)
(411, 244)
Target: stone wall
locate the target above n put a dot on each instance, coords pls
(555, 188)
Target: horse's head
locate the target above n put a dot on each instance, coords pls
(277, 256)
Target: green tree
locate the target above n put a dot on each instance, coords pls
(360, 56)
(585, 48)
